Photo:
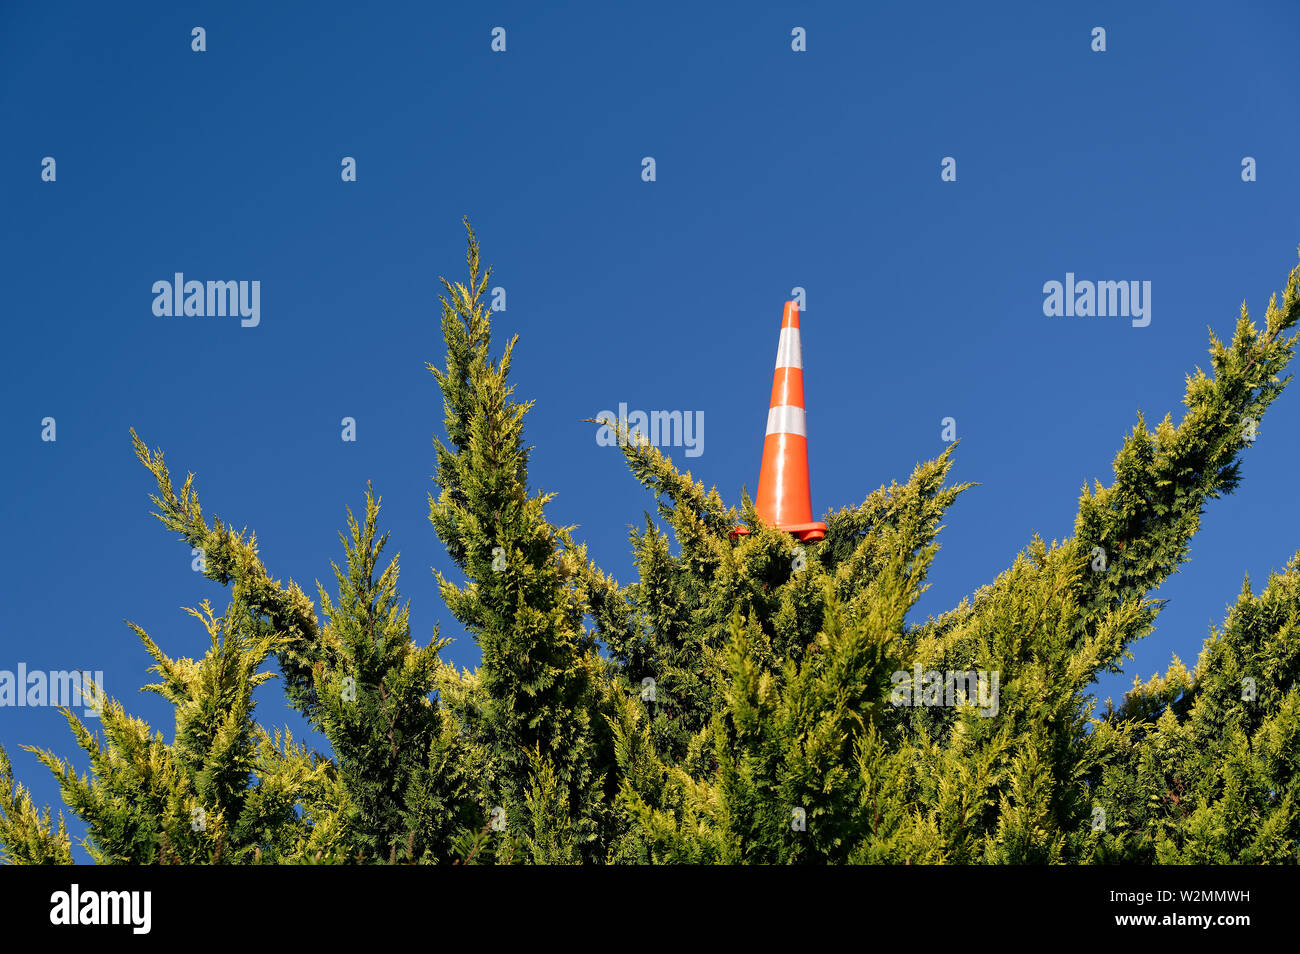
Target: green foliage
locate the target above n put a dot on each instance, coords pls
(535, 699)
(1202, 766)
(756, 700)
(399, 759)
(223, 791)
(27, 836)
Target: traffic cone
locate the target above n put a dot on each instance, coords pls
(784, 499)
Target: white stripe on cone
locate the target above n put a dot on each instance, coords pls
(786, 419)
(789, 354)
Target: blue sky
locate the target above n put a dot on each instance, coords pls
(775, 169)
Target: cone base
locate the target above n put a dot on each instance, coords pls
(805, 532)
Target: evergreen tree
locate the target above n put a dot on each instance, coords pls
(745, 708)
(533, 705)
(223, 791)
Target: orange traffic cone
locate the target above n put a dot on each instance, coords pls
(784, 499)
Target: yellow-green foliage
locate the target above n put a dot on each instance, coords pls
(736, 702)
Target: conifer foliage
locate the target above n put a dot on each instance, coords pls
(739, 701)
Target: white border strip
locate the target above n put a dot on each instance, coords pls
(786, 419)
(789, 353)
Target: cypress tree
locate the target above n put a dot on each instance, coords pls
(745, 707)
